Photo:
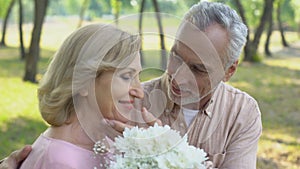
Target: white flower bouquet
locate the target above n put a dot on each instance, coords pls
(158, 147)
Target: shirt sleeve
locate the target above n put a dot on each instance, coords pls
(242, 151)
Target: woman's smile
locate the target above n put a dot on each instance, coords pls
(127, 104)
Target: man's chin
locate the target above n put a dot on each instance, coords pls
(182, 100)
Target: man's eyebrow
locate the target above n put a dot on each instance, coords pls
(199, 66)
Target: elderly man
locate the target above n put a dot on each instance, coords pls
(192, 97)
(218, 118)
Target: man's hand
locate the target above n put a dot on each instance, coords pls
(15, 158)
(148, 118)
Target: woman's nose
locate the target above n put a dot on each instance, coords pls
(136, 90)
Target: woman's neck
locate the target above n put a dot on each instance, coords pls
(71, 132)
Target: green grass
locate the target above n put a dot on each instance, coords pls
(20, 121)
(274, 83)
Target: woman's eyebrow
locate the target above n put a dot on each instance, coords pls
(129, 69)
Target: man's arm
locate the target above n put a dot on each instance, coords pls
(15, 158)
(242, 152)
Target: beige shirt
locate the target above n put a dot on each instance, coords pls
(228, 129)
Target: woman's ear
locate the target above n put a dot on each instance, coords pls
(230, 71)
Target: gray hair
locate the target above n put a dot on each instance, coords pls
(205, 14)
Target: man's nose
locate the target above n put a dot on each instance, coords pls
(182, 74)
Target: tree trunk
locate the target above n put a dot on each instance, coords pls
(22, 49)
(12, 2)
(161, 35)
(140, 28)
(241, 11)
(82, 12)
(34, 49)
(299, 30)
(252, 49)
(116, 7)
(283, 40)
(270, 30)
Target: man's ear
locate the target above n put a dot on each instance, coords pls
(230, 71)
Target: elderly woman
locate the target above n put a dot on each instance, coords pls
(91, 81)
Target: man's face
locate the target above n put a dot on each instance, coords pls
(195, 65)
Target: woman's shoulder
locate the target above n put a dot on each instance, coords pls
(65, 153)
(53, 153)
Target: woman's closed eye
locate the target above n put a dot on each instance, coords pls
(127, 76)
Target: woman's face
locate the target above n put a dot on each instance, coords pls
(113, 91)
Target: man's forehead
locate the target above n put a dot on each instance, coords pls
(182, 49)
(196, 41)
(191, 38)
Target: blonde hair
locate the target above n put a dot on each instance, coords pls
(88, 51)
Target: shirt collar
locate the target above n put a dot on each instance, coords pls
(205, 111)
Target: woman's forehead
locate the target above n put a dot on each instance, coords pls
(135, 63)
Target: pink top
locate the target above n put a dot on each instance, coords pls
(49, 153)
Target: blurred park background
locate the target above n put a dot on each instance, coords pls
(32, 30)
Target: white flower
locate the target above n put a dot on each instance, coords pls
(157, 147)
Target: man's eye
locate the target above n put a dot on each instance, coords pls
(197, 69)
